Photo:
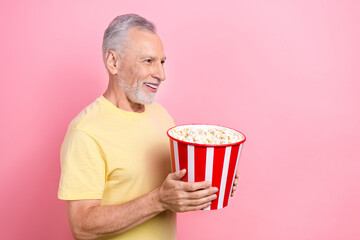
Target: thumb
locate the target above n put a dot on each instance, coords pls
(177, 175)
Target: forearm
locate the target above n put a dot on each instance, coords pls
(102, 221)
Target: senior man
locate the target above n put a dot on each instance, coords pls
(115, 167)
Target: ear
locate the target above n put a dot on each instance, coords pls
(112, 62)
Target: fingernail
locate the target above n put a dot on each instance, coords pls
(215, 189)
(214, 196)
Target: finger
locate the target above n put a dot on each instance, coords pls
(177, 175)
(233, 191)
(201, 201)
(236, 181)
(237, 175)
(195, 208)
(191, 187)
(201, 193)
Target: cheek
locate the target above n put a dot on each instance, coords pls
(136, 75)
(129, 75)
(140, 75)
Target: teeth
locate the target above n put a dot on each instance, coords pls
(152, 86)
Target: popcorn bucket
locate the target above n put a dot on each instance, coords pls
(207, 162)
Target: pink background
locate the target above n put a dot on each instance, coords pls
(286, 73)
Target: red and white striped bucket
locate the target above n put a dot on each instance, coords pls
(204, 162)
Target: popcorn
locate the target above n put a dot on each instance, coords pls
(204, 134)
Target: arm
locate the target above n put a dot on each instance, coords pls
(89, 220)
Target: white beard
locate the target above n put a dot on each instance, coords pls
(137, 95)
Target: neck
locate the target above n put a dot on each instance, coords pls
(117, 96)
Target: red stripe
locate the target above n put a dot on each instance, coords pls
(219, 154)
(182, 147)
(200, 163)
(232, 165)
(172, 155)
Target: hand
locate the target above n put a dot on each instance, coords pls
(179, 196)
(236, 181)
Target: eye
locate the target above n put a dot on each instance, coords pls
(162, 62)
(149, 60)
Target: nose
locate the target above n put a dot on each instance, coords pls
(158, 71)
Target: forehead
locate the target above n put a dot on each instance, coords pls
(143, 42)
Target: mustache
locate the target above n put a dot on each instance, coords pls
(152, 81)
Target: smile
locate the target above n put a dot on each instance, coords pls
(153, 86)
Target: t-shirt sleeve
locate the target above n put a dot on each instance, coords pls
(82, 167)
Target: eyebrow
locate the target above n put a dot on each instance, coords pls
(155, 58)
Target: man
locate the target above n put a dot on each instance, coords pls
(115, 167)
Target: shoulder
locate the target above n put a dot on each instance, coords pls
(87, 117)
(159, 109)
(161, 112)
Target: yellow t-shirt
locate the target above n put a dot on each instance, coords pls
(117, 156)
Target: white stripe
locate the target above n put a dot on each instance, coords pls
(172, 153)
(176, 154)
(224, 177)
(191, 167)
(209, 166)
(237, 161)
(171, 165)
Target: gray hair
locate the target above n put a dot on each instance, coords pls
(116, 33)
